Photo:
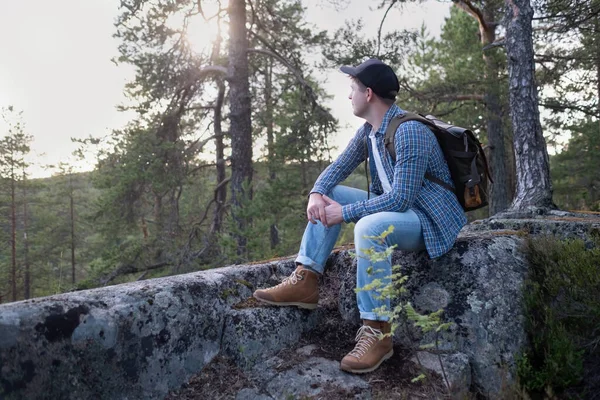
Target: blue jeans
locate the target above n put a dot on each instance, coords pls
(318, 241)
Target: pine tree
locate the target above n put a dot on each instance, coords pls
(179, 93)
(575, 172)
(13, 149)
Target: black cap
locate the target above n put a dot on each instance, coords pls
(376, 75)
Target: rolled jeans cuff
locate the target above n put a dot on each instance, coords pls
(310, 264)
(371, 316)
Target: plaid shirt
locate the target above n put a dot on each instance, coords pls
(418, 152)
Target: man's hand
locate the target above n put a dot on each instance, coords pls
(316, 208)
(333, 212)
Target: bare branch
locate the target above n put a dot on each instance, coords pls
(212, 69)
(570, 107)
(200, 108)
(438, 95)
(142, 276)
(572, 18)
(199, 145)
(501, 42)
(307, 87)
(498, 43)
(253, 15)
(200, 9)
(213, 200)
(129, 269)
(450, 111)
(283, 61)
(196, 226)
(468, 7)
(392, 3)
(540, 58)
(199, 167)
(462, 97)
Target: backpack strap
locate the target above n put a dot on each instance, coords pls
(440, 182)
(367, 167)
(392, 127)
(390, 132)
(391, 148)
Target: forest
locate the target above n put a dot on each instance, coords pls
(226, 143)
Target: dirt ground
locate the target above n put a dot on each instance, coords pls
(222, 379)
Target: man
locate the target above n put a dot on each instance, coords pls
(424, 214)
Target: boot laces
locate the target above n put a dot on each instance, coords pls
(365, 338)
(290, 280)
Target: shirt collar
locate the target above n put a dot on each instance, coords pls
(389, 114)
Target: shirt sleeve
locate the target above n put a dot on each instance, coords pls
(414, 143)
(342, 167)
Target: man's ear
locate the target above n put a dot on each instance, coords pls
(370, 94)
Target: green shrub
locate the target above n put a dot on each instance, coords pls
(392, 287)
(562, 313)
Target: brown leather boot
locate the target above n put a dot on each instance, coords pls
(300, 289)
(371, 348)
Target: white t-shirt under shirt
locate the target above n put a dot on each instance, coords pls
(380, 171)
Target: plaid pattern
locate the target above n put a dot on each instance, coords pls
(418, 152)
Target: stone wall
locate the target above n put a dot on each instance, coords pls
(137, 340)
(141, 340)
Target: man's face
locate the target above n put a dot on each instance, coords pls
(358, 95)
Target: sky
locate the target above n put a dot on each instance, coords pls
(55, 67)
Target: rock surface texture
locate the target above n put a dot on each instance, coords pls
(144, 340)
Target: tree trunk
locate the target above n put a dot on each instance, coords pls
(269, 119)
(307, 161)
(173, 228)
(72, 213)
(144, 228)
(499, 193)
(274, 232)
(240, 118)
(597, 57)
(303, 168)
(158, 214)
(499, 196)
(13, 234)
(597, 41)
(27, 278)
(221, 190)
(534, 187)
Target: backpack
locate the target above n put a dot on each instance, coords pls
(464, 156)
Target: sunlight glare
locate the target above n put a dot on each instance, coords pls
(201, 33)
